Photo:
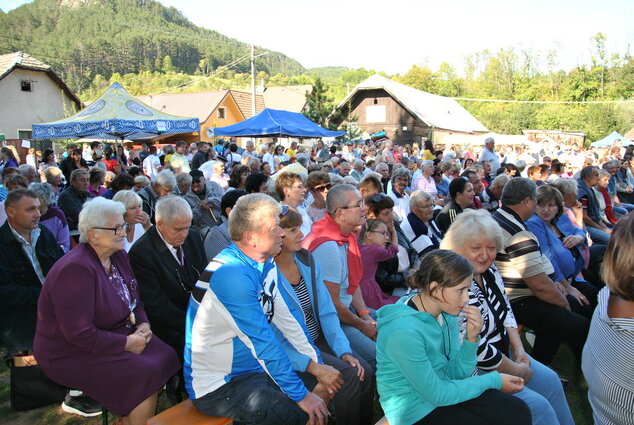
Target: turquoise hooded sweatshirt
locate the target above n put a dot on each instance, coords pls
(421, 364)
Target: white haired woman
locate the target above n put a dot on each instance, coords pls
(478, 238)
(51, 216)
(137, 220)
(93, 334)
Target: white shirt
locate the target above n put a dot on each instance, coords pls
(151, 165)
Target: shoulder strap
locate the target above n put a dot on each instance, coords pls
(307, 258)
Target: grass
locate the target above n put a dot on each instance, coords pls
(576, 393)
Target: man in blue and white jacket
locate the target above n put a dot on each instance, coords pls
(234, 365)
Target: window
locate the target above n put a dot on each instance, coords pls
(375, 114)
(25, 85)
(222, 113)
(25, 134)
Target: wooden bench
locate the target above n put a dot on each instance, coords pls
(186, 414)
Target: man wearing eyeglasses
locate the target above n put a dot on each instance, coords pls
(167, 261)
(333, 242)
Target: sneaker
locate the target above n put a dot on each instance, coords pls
(81, 405)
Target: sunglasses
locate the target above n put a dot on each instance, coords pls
(323, 187)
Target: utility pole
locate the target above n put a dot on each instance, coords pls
(252, 80)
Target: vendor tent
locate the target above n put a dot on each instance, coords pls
(276, 123)
(115, 115)
(610, 141)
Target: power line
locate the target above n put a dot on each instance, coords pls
(543, 101)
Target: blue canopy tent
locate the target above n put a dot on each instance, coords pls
(276, 123)
(609, 141)
(114, 116)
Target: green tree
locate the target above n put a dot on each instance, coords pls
(319, 104)
(421, 78)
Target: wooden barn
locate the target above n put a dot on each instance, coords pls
(405, 113)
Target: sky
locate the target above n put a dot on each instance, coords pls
(393, 35)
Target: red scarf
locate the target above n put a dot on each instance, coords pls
(326, 230)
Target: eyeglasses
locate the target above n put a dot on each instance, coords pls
(323, 188)
(386, 233)
(360, 204)
(119, 229)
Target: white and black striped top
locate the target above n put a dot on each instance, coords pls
(304, 300)
(608, 365)
(497, 315)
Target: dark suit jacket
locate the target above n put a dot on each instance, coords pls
(165, 285)
(20, 287)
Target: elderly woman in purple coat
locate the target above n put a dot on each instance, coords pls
(93, 334)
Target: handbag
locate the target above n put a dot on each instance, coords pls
(30, 388)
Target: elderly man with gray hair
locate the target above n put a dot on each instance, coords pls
(491, 195)
(358, 168)
(234, 365)
(167, 261)
(333, 242)
(163, 185)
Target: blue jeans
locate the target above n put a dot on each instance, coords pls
(545, 396)
(598, 236)
(252, 399)
(361, 344)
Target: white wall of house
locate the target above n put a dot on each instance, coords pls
(20, 109)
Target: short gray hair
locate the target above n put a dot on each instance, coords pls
(23, 168)
(336, 197)
(44, 191)
(351, 181)
(472, 225)
(419, 196)
(128, 198)
(250, 212)
(166, 178)
(76, 173)
(95, 213)
(381, 164)
(500, 180)
(401, 172)
(517, 190)
(184, 179)
(358, 162)
(171, 206)
(567, 186)
(50, 172)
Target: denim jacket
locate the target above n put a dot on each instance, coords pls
(328, 319)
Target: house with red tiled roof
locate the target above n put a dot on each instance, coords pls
(31, 93)
(244, 101)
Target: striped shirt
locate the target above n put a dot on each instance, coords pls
(520, 256)
(304, 300)
(608, 366)
(497, 315)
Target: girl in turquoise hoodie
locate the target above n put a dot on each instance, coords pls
(425, 374)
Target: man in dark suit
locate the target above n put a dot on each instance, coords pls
(167, 261)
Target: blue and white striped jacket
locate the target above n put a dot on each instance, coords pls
(228, 327)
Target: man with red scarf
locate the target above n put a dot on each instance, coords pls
(333, 242)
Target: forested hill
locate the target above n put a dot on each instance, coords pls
(82, 38)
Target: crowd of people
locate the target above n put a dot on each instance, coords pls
(291, 284)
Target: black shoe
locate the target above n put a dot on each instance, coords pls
(173, 389)
(81, 405)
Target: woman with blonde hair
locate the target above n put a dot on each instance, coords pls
(136, 219)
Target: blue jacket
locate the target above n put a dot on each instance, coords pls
(562, 259)
(421, 364)
(228, 329)
(328, 319)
